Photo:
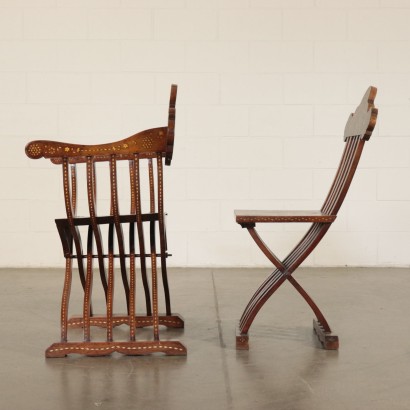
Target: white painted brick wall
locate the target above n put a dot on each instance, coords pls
(55, 23)
(121, 23)
(265, 88)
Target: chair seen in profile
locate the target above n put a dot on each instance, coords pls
(358, 130)
(124, 242)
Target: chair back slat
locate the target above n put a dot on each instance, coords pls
(67, 192)
(132, 186)
(342, 181)
(92, 209)
(91, 189)
(72, 235)
(118, 227)
(74, 189)
(160, 188)
(151, 186)
(88, 287)
(341, 171)
(338, 199)
(110, 282)
(141, 236)
(137, 187)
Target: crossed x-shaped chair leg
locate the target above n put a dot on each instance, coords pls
(284, 270)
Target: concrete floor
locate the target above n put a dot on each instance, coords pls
(284, 369)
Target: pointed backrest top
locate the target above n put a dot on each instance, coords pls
(362, 121)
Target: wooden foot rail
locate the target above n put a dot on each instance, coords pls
(133, 348)
(147, 148)
(358, 130)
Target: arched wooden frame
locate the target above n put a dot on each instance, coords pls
(149, 147)
(358, 130)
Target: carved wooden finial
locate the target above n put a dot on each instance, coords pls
(363, 120)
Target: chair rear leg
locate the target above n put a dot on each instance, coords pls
(320, 326)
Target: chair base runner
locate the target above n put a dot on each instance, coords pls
(137, 348)
(328, 340)
(174, 321)
(242, 340)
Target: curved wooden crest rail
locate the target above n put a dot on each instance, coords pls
(358, 130)
(148, 147)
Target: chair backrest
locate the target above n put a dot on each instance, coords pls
(359, 128)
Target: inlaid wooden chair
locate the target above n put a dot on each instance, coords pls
(145, 152)
(358, 130)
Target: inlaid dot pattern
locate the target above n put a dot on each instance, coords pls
(34, 150)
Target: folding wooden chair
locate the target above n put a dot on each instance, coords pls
(358, 129)
(143, 148)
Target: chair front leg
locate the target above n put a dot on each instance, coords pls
(263, 293)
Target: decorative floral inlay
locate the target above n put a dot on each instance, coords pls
(34, 150)
(147, 142)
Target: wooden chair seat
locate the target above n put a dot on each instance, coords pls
(246, 217)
